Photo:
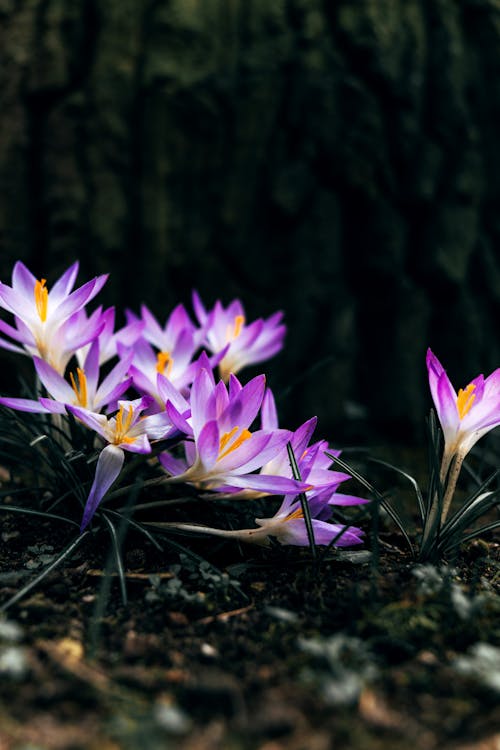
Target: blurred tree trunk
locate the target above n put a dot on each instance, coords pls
(337, 160)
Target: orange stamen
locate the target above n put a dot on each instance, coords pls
(41, 299)
(465, 399)
(80, 389)
(122, 426)
(297, 513)
(164, 360)
(225, 439)
(234, 332)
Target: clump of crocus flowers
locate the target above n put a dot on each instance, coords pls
(170, 393)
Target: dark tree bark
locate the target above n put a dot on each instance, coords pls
(337, 160)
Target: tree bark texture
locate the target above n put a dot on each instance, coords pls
(338, 160)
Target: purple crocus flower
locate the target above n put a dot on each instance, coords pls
(467, 416)
(223, 451)
(313, 463)
(175, 365)
(226, 330)
(42, 316)
(287, 526)
(83, 388)
(126, 431)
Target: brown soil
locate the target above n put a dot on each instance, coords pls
(277, 652)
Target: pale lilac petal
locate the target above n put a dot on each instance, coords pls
(96, 422)
(64, 284)
(52, 406)
(199, 308)
(15, 303)
(168, 392)
(54, 383)
(80, 297)
(12, 347)
(108, 468)
(140, 444)
(23, 280)
(24, 337)
(492, 385)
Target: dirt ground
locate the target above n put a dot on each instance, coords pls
(244, 648)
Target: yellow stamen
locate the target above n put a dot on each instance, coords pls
(239, 322)
(224, 440)
(297, 513)
(80, 389)
(122, 426)
(234, 332)
(465, 399)
(164, 360)
(41, 299)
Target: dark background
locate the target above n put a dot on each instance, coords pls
(336, 160)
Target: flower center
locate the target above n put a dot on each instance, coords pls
(164, 362)
(41, 299)
(225, 444)
(123, 425)
(465, 399)
(297, 513)
(80, 388)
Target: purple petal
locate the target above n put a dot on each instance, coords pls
(203, 386)
(24, 404)
(109, 465)
(96, 422)
(272, 485)
(54, 383)
(268, 411)
(207, 444)
(245, 407)
(339, 499)
(64, 284)
(23, 280)
(177, 419)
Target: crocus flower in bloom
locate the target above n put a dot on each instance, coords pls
(226, 330)
(83, 388)
(175, 365)
(223, 451)
(467, 415)
(41, 315)
(287, 526)
(126, 431)
(312, 461)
